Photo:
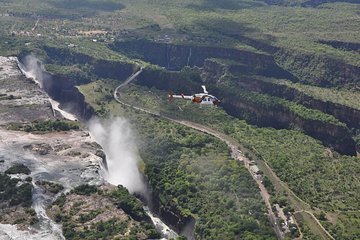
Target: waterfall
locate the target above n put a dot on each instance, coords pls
(189, 57)
(33, 69)
(168, 55)
(48, 228)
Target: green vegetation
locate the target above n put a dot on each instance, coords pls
(18, 168)
(45, 126)
(83, 218)
(320, 177)
(344, 225)
(193, 175)
(270, 102)
(87, 217)
(297, 159)
(99, 230)
(60, 201)
(131, 205)
(14, 194)
(85, 189)
(296, 37)
(282, 150)
(50, 186)
(268, 184)
(341, 96)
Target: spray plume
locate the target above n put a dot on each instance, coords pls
(117, 139)
(32, 68)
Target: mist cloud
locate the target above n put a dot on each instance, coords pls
(32, 68)
(117, 139)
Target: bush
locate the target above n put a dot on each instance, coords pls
(60, 201)
(45, 126)
(85, 189)
(128, 203)
(50, 186)
(18, 168)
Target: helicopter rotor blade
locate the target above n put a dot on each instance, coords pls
(204, 88)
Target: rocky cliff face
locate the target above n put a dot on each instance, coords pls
(168, 80)
(331, 135)
(319, 70)
(346, 114)
(315, 3)
(301, 66)
(63, 89)
(276, 116)
(172, 216)
(283, 118)
(100, 68)
(114, 70)
(175, 57)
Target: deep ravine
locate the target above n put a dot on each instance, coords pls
(34, 71)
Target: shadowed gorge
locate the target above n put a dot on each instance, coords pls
(175, 57)
(102, 5)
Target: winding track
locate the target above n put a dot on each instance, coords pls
(232, 144)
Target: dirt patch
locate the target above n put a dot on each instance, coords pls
(40, 148)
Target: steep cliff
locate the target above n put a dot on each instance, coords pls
(346, 114)
(262, 110)
(175, 57)
(64, 90)
(278, 116)
(101, 68)
(171, 214)
(319, 70)
(188, 80)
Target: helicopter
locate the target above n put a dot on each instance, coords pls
(203, 98)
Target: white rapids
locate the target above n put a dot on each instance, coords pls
(166, 232)
(49, 230)
(56, 107)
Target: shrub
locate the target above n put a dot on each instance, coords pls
(18, 168)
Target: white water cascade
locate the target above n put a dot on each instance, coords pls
(161, 227)
(48, 228)
(34, 70)
(117, 139)
(120, 148)
(189, 57)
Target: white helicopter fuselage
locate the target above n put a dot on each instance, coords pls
(205, 99)
(202, 98)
